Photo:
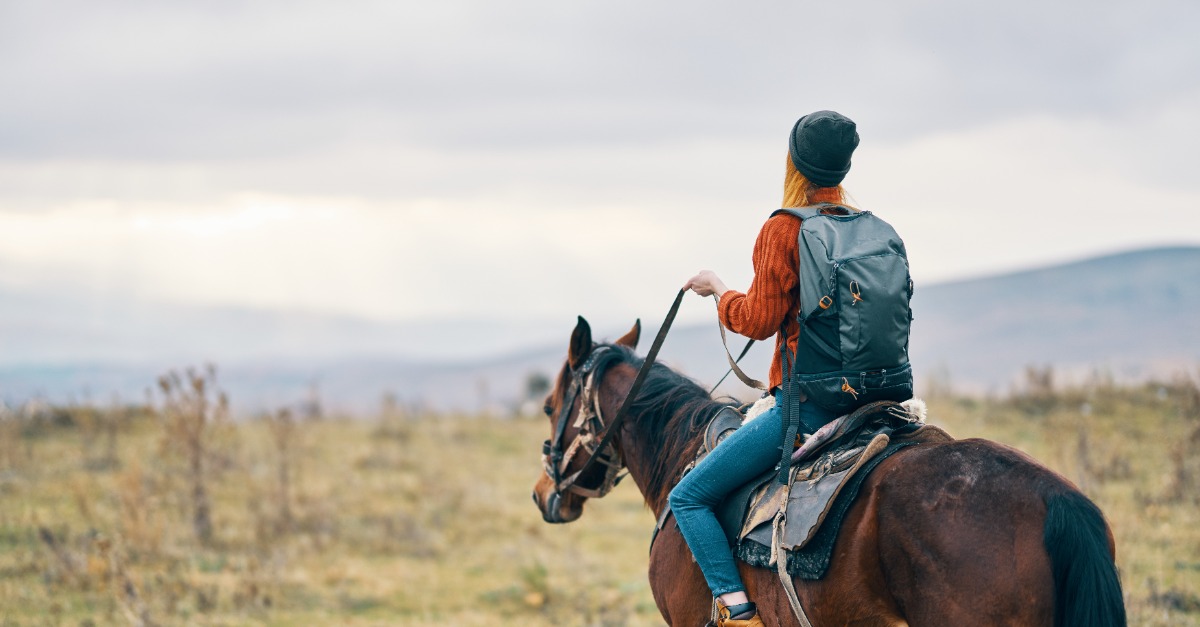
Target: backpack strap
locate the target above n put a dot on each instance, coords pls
(812, 211)
(792, 397)
(803, 213)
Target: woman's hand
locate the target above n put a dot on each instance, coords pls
(706, 283)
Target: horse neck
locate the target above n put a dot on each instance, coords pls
(656, 441)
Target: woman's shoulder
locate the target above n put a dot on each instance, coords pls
(782, 223)
(781, 230)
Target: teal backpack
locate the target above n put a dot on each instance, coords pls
(855, 314)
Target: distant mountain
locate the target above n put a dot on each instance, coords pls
(48, 326)
(66, 345)
(1131, 314)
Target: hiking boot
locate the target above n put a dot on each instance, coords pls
(740, 615)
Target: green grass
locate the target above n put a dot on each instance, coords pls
(430, 520)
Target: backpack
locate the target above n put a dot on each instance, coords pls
(855, 313)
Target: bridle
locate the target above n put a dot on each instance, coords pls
(594, 436)
(590, 425)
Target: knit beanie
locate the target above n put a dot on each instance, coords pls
(820, 146)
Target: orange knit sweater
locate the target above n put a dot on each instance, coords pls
(769, 307)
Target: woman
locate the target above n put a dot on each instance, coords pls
(819, 151)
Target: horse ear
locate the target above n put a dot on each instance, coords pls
(631, 339)
(581, 343)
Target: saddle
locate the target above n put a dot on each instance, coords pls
(827, 472)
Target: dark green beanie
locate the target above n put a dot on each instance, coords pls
(821, 145)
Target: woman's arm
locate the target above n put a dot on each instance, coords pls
(760, 312)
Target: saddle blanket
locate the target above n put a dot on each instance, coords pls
(809, 558)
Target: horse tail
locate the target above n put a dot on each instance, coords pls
(1087, 588)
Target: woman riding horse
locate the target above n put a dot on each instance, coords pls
(960, 532)
(818, 159)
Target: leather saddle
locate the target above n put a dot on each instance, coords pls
(830, 458)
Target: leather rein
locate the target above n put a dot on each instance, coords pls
(594, 436)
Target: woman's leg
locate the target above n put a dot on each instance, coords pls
(743, 455)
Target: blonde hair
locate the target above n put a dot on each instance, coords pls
(798, 191)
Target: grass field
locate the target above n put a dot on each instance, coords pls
(401, 519)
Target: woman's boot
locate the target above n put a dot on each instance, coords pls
(740, 615)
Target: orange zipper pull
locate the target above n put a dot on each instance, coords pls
(856, 293)
(848, 389)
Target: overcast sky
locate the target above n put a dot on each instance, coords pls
(535, 160)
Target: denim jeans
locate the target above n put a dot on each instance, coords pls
(742, 456)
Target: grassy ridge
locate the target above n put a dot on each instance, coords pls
(413, 520)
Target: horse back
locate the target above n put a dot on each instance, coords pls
(951, 533)
(961, 533)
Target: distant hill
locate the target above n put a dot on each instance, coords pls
(1134, 314)
(1131, 314)
(48, 326)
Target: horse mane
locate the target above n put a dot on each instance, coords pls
(668, 417)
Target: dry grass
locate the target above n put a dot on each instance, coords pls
(406, 519)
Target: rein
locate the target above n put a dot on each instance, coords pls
(733, 363)
(556, 461)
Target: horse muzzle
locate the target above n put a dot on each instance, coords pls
(552, 505)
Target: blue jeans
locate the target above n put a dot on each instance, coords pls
(743, 455)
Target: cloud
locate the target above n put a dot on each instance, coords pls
(538, 160)
(1011, 195)
(426, 259)
(139, 81)
(1027, 192)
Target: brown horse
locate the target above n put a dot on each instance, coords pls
(963, 533)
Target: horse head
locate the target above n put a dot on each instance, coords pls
(574, 468)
